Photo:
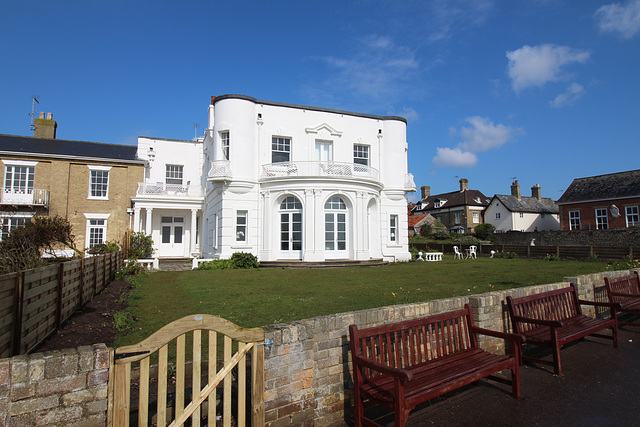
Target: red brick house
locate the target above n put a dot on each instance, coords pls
(601, 202)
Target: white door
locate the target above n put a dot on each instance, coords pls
(323, 151)
(290, 236)
(172, 236)
(335, 229)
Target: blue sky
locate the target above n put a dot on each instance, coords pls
(541, 90)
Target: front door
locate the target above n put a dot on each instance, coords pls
(172, 236)
(335, 229)
(290, 228)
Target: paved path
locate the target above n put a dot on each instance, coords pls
(600, 387)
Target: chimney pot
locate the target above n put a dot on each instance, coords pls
(49, 116)
(464, 184)
(42, 114)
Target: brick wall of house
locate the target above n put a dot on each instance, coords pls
(588, 213)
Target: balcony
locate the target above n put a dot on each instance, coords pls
(319, 170)
(25, 197)
(161, 189)
(220, 170)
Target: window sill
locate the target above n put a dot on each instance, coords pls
(97, 198)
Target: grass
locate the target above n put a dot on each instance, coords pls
(259, 297)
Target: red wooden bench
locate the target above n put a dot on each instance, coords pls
(554, 318)
(624, 291)
(402, 364)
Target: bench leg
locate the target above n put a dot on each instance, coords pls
(401, 411)
(515, 381)
(557, 365)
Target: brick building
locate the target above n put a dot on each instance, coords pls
(90, 184)
(601, 202)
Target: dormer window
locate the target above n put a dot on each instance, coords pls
(477, 200)
(439, 203)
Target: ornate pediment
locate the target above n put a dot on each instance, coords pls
(324, 128)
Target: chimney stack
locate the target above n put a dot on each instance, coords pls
(44, 128)
(515, 189)
(535, 192)
(426, 191)
(464, 184)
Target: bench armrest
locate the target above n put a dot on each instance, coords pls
(623, 294)
(600, 304)
(401, 374)
(543, 322)
(518, 338)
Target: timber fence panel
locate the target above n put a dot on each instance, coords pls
(574, 251)
(542, 251)
(88, 279)
(99, 269)
(40, 305)
(8, 312)
(71, 289)
(611, 253)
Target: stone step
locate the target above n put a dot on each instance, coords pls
(322, 264)
(174, 264)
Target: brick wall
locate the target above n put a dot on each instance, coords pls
(56, 388)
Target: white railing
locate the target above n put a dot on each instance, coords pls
(32, 197)
(319, 169)
(220, 169)
(409, 184)
(173, 190)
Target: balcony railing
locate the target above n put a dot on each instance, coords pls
(29, 197)
(319, 169)
(220, 169)
(168, 190)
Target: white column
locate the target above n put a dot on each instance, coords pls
(309, 226)
(360, 227)
(267, 227)
(194, 219)
(137, 219)
(148, 224)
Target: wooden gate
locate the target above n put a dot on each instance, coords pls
(159, 380)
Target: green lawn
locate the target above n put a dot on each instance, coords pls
(261, 297)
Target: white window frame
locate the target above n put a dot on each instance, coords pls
(458, 217)
(574, 220)
(92, 169)
(225, 144)
(6, 220)
(174, 174)
(476, 217)
(281, 146)
(361, 154)
(242, 218)
(393, 228)
(95, 217)
(30, 179)
(633, 213)
(602, 218)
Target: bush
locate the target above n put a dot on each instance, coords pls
(103, 248)
(244, 260)
(440, 235)
(426, 230)
(484, 231)
(414, 253)
(131, 269)
(140, 246)
(216, 264)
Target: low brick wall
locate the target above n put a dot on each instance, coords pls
(56, 388)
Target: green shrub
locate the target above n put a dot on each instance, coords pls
(123, 321)
(484, 231)
(512, 255)
(440, 235)
(103, 248)
(140, 246)
(593, 258)
(215, 264)
(552, 257)
(414, 253)
(426, 230)
(244, 260)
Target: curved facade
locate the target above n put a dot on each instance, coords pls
(304, 183)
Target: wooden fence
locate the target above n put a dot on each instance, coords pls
(571, 252)
(34, 303)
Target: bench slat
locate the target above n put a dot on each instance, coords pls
(617, 288)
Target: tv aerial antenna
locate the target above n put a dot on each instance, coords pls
(195, 131)
(34, 100)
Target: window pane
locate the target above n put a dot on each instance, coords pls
(280, 149)
(166, 234)
(174, 174)
(99, 183)
(224, 144)
(177, 235)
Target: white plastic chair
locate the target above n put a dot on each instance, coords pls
(472, 251)
(458, 254)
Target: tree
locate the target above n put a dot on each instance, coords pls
(22, 249)
(484, 231)
(140, 246)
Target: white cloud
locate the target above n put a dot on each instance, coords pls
(481, 135)
(619, 18)
(455, 157)
(535, 66)
(380, 69)
(574, 92)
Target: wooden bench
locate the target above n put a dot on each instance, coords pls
(554, 318)
(402, 364)
(625, 291)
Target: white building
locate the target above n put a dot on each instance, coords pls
(281, 181)
(168, 204)
(517, 213)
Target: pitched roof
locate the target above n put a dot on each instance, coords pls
(601, 187)
(415, 219)
(44, 147)
(455, 198)
(528, 204)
